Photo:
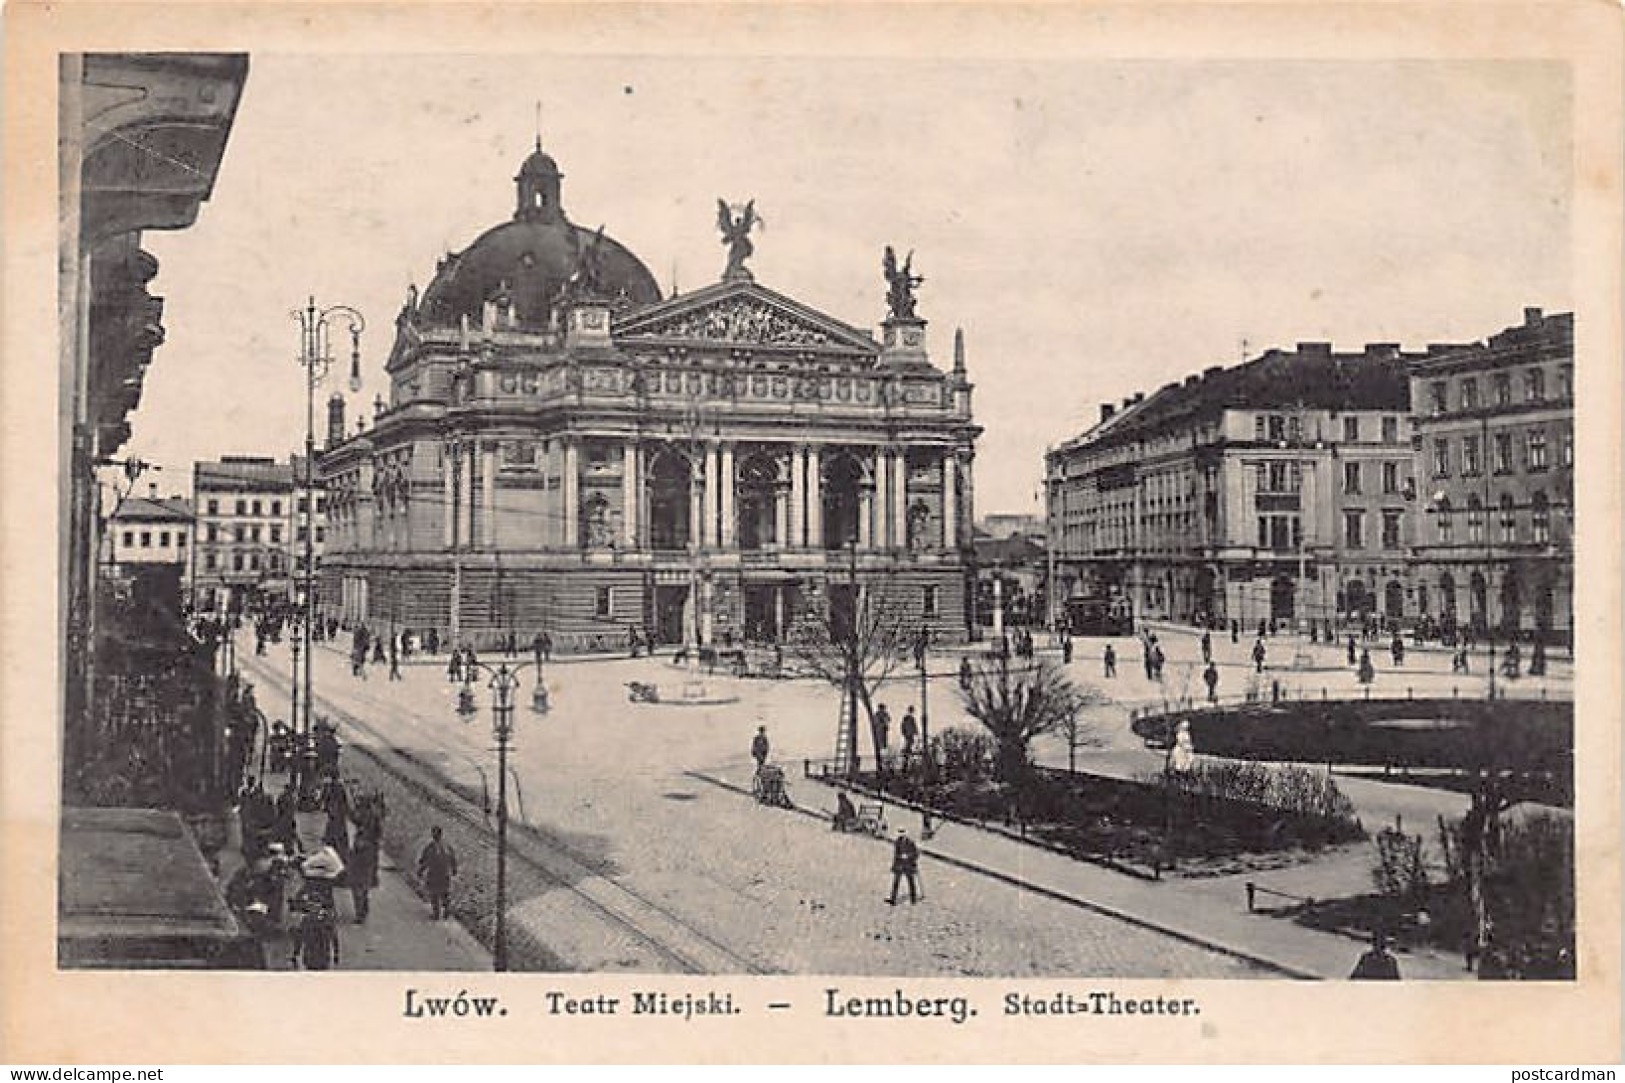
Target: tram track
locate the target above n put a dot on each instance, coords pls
(666, 935)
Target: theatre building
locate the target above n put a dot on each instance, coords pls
(565, 448)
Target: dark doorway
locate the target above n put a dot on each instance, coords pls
(670, 604)
(1393, 602)
(843, 482)
(1283, 598)
(762, 613)
(758, 508)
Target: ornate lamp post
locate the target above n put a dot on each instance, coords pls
(315, 357)
(504, 683)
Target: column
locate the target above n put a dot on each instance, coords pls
(899, 494)
(866, 510)
(568, 488)
(708, 537)
(489, 496)
(815, 498)
(730, 527)
(781, 517)
(448, 476)
(472, 457)
(798, 497)
(881, 505)
(630, 484)
(696, 504)
(950, 511)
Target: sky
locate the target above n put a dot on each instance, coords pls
(1096, 227)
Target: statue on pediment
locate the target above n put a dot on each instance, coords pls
(901, 283)
(736, 235)
(587, 276)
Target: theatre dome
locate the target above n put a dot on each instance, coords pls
(530, 258)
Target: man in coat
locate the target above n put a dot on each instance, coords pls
(437, 865)
(905, 863)
(759, 747)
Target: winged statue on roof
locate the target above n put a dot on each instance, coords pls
(736, 235)
(901, 283)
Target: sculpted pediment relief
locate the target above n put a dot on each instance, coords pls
(746, 320)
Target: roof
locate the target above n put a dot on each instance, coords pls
(242, 472)
(129, 872)
(1539, 337)
(164, 509)
(530, 258)
(1016, 549)
(1311, 377)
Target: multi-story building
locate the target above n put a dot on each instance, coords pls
(244, 508)
(565, 448)
(1279, 489)
(144, 531)
(1494, 435)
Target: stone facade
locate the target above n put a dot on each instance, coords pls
(1277, 490)
(563, 450)
(1495, 454)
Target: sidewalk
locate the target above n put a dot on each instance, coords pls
(1210, 912)
(398, 934)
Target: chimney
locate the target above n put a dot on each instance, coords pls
(1211, 371)
(959, 352)
(1531, 316)
(335, 420)
(1381, 349)
(1139, 397)
(1106, 412)
(1193, 379)
(1128, 400)
(1315, 349)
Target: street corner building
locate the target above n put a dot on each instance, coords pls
(565, 450)
(1316, 485)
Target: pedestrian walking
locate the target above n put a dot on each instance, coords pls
(1397, 649)
(437, 867)
(1259, 654)
(1376, 964)
(1368, 672)
(378, 655)
(905, 864)
(1207, 648)
(964, 674)
(394, 661)
(1109, 659)
(431, 642)
(1513, 663)
(1158, 659)
(911, 732)
(1211, 676)
(1263, 628)
(1066, 649)
(759, 747)
(454, 667)
(362, 872)
(316, 938)
(1235, 631)
(1354, 651)
(1458, 662)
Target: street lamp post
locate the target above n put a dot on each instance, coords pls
(504, 683)
(315, 356)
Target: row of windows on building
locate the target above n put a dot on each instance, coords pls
(1284, 533)
(246, 506)
(145, 539)
(249, 562)
(1287, 477)
(243, 534)
(930, 602)
(1536, 453)
(1288, 428)
(1468, 398)
(1507, 521)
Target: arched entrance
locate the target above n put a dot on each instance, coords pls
(1447, 595)
(1478, 593)
(1356, 599)
(842, 489)
(758, 501)
(1283, 598)
(669, 502)
(1511, 602)
(1393, 600)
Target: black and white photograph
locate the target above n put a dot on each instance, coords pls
(876, 515)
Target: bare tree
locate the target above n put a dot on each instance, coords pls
(857, 656)
(1019, 703)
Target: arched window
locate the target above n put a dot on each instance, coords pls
(1542, 519)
